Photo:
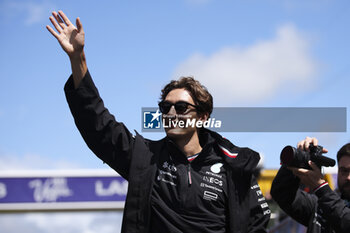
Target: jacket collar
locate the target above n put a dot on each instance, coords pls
(240, 159)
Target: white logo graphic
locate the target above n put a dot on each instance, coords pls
(50, 189)
(3, 190)
(264, 205)
(151, 119)
(267, 212)
(115, 187)
(170, 167)
(210, 123)
(210, 196)
(259, 193)
(166, 177)
(212, 180)
(216, 167)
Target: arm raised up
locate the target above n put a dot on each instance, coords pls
(72, 40)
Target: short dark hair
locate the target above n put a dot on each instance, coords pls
(199, 93)
(344, 151)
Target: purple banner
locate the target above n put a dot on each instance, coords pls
(73, 190)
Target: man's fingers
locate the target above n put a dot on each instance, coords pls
(55, 24)
(308, 140)
(305, 144)
(313, 166)
(79, 25)
(301, 145)
(65, 18)
(52, 31)
(298, 171)
(59, 20)
(314, 141)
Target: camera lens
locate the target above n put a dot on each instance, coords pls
(287, 155)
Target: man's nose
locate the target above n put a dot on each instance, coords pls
(172, 110)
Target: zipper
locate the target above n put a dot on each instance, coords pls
(189, 174)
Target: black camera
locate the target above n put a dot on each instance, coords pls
(290, 156)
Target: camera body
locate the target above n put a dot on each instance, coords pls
(292, 157)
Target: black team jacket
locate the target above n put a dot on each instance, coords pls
(322, 212)
(135, 159)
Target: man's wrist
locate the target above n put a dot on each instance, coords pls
(321, 185)
(77, 57)
(79, 68)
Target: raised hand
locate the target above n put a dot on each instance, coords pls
(305, 144)
(71, 38)
(72, 41)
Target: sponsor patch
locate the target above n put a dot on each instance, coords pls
(212, 180)
(216, 168)
(267, 212)
(258, 193)
(210, 196)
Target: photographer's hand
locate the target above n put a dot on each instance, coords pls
(311, 178)
(305, 144)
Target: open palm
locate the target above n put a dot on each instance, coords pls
(71, 38)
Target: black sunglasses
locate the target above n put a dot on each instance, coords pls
(180, 106)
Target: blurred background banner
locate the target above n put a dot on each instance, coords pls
(62, 190)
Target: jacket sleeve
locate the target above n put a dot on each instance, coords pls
(295, 202)
(334, 209)
(108, 139)
(259, 209)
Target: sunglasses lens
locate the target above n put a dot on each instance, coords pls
(181, 107)
(164, 107)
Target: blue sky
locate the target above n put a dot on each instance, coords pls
(247, 53)
(272, 53)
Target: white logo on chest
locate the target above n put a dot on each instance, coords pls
(216, 168)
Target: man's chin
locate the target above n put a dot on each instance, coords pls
(345, 191)
(174, 132)
(179, 133)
